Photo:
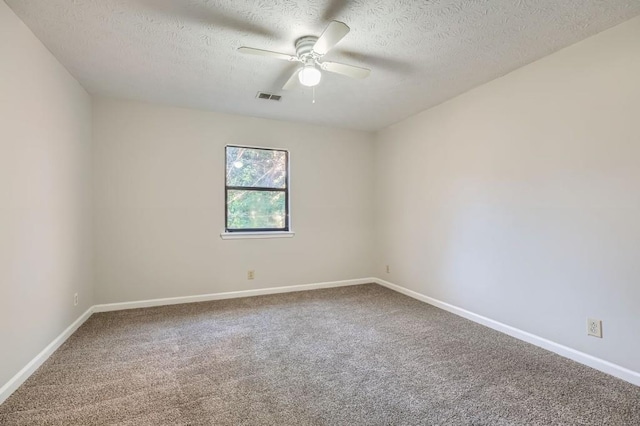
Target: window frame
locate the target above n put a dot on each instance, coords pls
(258, 232)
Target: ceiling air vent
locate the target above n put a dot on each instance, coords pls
(268, 96)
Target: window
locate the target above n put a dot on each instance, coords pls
(256, 190)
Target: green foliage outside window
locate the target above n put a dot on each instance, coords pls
(256, 189)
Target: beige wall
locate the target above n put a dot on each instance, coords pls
(520, 200)
(159, 204)
(45, 131)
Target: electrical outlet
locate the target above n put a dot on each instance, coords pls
(75, 299)
(251, 274)
(388, 269)
(594, 327)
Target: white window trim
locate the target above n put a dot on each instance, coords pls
(247, 235)
(256, 235)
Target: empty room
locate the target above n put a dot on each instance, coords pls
(319, 212)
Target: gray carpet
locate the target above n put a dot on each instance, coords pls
(361, 355)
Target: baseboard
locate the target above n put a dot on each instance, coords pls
(227, 295)
(581, 357)
(14, 383)
(17, 380)
(565, 351)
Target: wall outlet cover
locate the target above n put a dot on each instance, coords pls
(594, 327)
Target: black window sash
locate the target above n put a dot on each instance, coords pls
(227, 188)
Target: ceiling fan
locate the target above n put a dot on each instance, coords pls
(309, 51)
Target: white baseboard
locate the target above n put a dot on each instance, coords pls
(599, 364)
(565, 351)
(228, 295)
(17, 380)
(14, 383)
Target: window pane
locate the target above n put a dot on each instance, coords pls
(256, 167)
(256, 209)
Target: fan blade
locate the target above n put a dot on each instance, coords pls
(344, 69)
(260, 52)
(334, 32)
(378, 61)
(203, 14)
(293, 81)
(334, 9)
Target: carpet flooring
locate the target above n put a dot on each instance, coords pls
(360, 355)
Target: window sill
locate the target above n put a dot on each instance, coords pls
(254, 235)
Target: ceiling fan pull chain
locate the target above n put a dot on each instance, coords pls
(314, 95)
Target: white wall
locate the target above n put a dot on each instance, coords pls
(159, 204)
(520, 200)
(45, 131)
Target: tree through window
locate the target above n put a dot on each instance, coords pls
(256, 189)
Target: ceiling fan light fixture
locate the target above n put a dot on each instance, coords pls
(309, 76)
(309, 51)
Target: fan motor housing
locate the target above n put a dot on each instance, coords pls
(304, 46)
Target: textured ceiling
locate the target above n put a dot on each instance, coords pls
(183, 52)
